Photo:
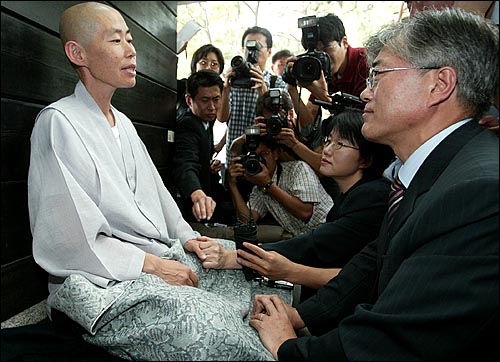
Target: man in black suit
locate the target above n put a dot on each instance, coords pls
(202, 197)
(427, 287)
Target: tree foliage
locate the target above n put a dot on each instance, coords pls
(223, 23)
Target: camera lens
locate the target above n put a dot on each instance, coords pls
(240, 65)
(236, 62)
(242, 78)
(273, 126)
(252, 166)
(307, 69)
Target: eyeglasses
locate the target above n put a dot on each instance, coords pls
(205, 63)
(327, 141)
(372, 73)
(264, 154)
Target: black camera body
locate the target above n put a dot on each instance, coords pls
(340, 102)
(251, 163)
(308, 66)
(276, 122)
(251, 160)
(242, 67)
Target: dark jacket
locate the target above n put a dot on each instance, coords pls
(353, 222)
(193, 153)
(427, 288)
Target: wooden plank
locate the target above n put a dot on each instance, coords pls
(155, 139)
(154, 16)
(17, 121)
(39, 12)
(172, 5)
(15, 232)
(34, 68)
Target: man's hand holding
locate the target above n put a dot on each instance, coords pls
(272, 318)
(258, 79)
(235, 170)
(318, 88)
(215, 165)
(260, 179)
(287, 137)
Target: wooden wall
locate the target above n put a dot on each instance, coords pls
(35, 73)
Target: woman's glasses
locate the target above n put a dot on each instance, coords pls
(327, 141)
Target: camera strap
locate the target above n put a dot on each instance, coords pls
(317, 121)
(278, 173)
(272, 81)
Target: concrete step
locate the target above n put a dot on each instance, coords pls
(32, 315)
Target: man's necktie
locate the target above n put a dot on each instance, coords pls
(395, 197)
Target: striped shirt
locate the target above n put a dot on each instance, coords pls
(298, 179)
(242, 104)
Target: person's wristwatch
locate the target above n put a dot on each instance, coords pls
(266, 187)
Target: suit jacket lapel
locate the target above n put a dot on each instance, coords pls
(430, 170)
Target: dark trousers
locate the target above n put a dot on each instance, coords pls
(57, 340)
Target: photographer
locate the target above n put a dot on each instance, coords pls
(324, 38)
(241, 88)
(279, 61)
(290, 138)
(282, 128)
(290, 191)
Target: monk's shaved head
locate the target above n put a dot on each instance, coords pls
(81, 22)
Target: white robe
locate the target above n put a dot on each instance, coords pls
(96, 209)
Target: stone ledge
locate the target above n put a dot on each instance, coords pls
(32, 315)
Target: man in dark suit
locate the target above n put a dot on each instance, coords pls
(202, 197)
(427, 288)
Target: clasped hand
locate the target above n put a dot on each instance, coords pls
(210, 252)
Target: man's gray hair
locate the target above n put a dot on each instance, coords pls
(449, 37)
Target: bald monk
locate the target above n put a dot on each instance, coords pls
(122, 262)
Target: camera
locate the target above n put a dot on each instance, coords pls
(251, 160)
(308, 66)
(242, 67)
(276, 122)
(340, 102)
